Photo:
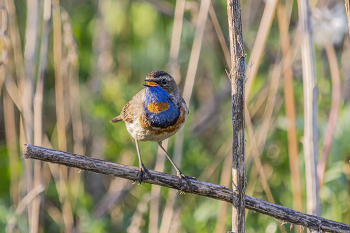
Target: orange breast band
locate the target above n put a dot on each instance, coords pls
(158, 107)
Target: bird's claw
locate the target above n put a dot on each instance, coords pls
(186, 178)
(141, 174)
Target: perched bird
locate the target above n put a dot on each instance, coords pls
(155, 113)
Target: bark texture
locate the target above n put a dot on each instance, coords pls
(283, 214)
(237, 77)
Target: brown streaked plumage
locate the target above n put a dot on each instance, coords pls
(154, 114)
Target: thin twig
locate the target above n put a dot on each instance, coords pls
(171, 181)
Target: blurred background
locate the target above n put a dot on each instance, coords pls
(68, 67)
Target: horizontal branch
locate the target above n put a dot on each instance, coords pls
(285, 215)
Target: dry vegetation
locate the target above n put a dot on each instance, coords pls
(68, 67)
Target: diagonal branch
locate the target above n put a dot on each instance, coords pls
(171, 181)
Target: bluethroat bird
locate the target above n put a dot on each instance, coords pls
(155, 113)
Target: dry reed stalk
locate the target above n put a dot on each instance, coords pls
(251, 184)
(55, 214)
(34, 225)
(258, 101)
(60, 114)
(293, 52)
(38, 108)
(11, 88)
(175, 72)
(283, 23)
(4, 41)
(260, 133)
(197, 43)
(266, 121)
(26, 92)
(54, 170)
(137, 220)
(220, 155)
(168, 211)
(71, 76)
(206, 111)
(11, 145)
(345, 70)
(57, 46)
(101, 72)
(155, 192)
(24, 203)
(223, 206)
(310, 109)
(2, 77)
(259, 44)
(347, 8)
(27, 83)
(263, 133)
(9, 114)
(102, 50)
(176, 222)
(189, 83)
(209, 109)
(237, 77)
(15, 38)
(256, 146)
(205, 115)
(256, 149)
(333, 115)
(220, 35)
(262, 95)
(258, 139)
(117, 190)
(175, 40)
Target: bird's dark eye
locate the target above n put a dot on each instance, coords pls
(163, 81)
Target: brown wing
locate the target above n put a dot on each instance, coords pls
(132, 109)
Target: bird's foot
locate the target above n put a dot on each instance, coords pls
(141, 174)
(186, 178)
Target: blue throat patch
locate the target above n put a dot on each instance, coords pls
(165, 118)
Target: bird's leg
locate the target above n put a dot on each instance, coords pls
(142, 169)
(179, 173)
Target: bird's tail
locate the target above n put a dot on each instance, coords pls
(116, 119)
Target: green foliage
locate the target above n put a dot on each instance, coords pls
(119, 43)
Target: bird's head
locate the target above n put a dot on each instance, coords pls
(159, 78)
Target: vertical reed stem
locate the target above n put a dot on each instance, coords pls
(237, 77)
(310, 109)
